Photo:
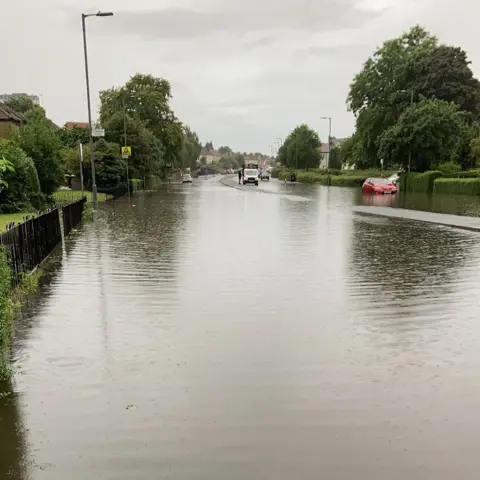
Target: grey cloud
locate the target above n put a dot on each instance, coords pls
(303, 15)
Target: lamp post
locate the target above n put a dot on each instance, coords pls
(92, 160)
(329, 138)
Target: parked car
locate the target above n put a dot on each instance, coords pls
(265, 175)
(378, 185)
(250, 175)
(187, 178)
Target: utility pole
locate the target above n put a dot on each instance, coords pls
(92, 159)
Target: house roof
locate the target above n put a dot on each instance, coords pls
(70, 125)
(9, 115)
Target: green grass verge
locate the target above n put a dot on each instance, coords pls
(7, 218)
(70, 196)
(459, 186)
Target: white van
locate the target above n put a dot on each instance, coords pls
(250, 175)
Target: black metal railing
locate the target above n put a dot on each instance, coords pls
(72, 215)
(29, 243)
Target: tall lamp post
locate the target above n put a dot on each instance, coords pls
(329, 138)
(92, 160)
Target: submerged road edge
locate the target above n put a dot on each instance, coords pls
(471, 224)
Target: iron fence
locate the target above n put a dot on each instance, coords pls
(29, 243)
(72, 215)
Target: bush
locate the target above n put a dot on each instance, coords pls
(311, 177)
(447, 168)
(6, 315)
(23, 192)
(422, 182)
(463, 186)
(135, 184)
(465, 174)
(347, 180)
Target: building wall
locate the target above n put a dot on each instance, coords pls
(6, 128)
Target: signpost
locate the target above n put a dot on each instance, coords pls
(126, 152)
(98, 132)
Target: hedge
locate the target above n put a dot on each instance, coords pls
(311, 177)
(347, 180)
(462, 186)
(421, 182)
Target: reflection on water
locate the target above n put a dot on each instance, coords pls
(451, 204)
(207, 332)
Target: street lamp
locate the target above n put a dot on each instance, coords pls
(92, 161)
(329, 138)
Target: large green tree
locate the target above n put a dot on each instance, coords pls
(23, 192)
(301, 149)
(41, 143)
(431, 130)
(20, 104)
(71, 137)
(146, 98)
(191, 149)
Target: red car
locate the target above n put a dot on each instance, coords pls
(378, 185)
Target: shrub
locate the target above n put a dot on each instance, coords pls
(422, 182)
(6, 314)
(135, 184)
(464, 186)
(347, 180)
(465, 174)
(447, 168)
(311, 177)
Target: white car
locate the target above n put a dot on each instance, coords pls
(187, 178)
(250, 175)
(265, 175)
(394, 178)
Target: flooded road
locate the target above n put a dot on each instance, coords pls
(216, 333)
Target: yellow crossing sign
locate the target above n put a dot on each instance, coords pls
(126, 152)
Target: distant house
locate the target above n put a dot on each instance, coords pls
(325, 150)
(70, 125)
(9, 121)
(210, 155)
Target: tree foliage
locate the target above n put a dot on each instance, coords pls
(23, 192)
(20, 104)
(70, 138)
(41, 143)
(431, 129)
(301, 149)
(410, 69)
(145, 99)
(191, 148)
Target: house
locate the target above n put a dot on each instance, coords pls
(325, 150)
(70, 125)
(10, 121)
(210, 155)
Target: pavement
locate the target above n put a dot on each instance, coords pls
(454, 221)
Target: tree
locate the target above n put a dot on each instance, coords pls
(110, 168)
(23, 192)
(191, 149)
(203, 160)
(147, 150)
(20, 104)
(209, 146)
(40, 142)
(70, 138)
(239, 159)
(431, 128)
(301, 149)
(146, 98)
(5, 166)
(444, 72)
(379, 93)
(225, 151)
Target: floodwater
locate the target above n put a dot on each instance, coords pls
(215, 333)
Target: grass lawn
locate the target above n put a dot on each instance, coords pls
(69, 196)
(6, 218)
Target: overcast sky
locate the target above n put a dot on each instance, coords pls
(243, 72)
